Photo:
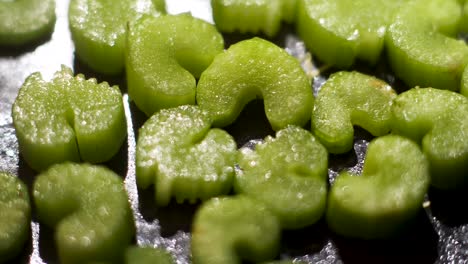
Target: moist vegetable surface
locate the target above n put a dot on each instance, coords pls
(68, 119)
(15, 216)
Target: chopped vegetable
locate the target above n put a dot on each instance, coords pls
(252, 69)
(288, 174)
(88, 208)
(99, 29)
(164, 56)
(15, 216)
(229, 230)
(347, 99)
(341, 31)
(422, 47)
(24, 21)
(438, 120)
(67, 119)
(147, 255)
(388, 194)
(183, 157)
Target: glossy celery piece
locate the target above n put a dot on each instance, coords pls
(288, 174)
(252, 69)
(348, 99)
(438, 119)
(229, 230)
(15, 216)
(248, 16)
(24, 21)
(289, 9)
(164, 57)
(464, 82)
(341, 31)
(386, 197)
(88, 208)
(179, 153)
(99, 29)
(147, 255)
(422, 47)
(68, 119)
(464, 23)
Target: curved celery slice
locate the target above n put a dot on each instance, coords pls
(347, 99)
(68, 118)
(464, 84)
(25, 21)
(421, 47)
(253, 16)
(164, 56)
(341, 31)
(437, 119)
(227, 230)
(89, 208)
(387, 195)
(288, 174)
(464, 23)
(252, 69)
(248, 16)
(99, 29)
(147, 255)
(15, 216)
(183, 157)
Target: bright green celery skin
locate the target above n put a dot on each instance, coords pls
(253, 69)
(464, 23)
(23, 21)
(421, 45)
(338, 38)
(347, 99)
(248, 16)
(15, 216)
(99, 29)
(147, 255)
(88, 206)
(183, 157)
(438, 119)
(67, 119)
(386, 197)
(288, 174)
(228, 230)
(163, 58)
(289, 9)
(464, 84)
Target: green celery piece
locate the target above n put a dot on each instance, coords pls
(288, 174)
(252, 69)
(99, 29)
(347, 99)
(183, 157)
(464, 84)
(15, 216)
(164, 56)
(147, 255)
(250, 16)
(68, 118)
(386, 197)
(438, 119)
(89, 209)
(228, 230)
(289, 10)
(464, 23)
(421, 45)
(23, 21)
(340, 31)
